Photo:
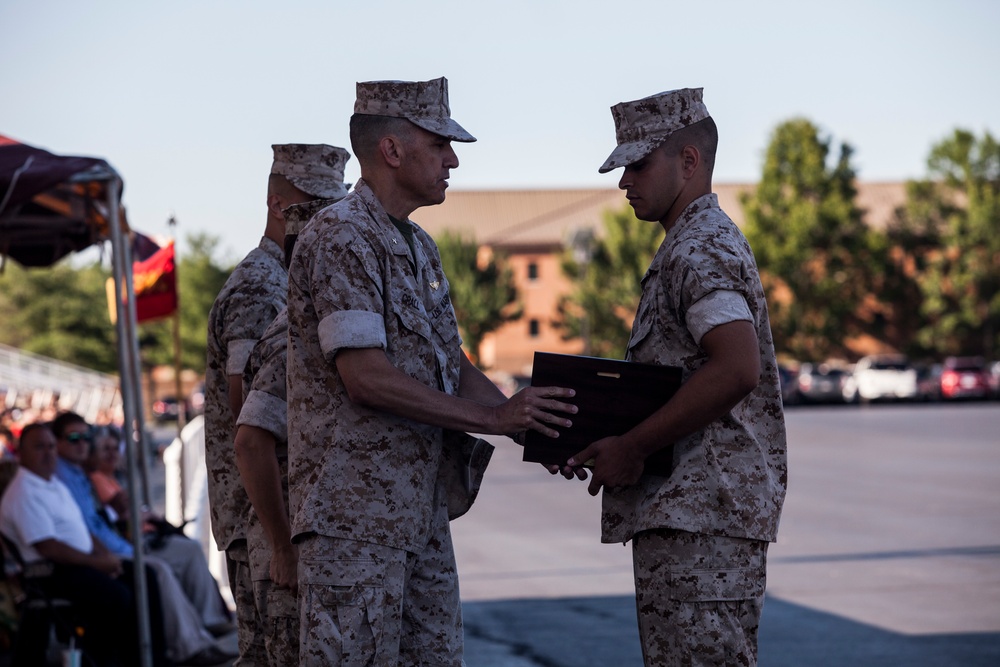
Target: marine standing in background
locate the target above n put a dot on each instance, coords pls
(248, 302)
(700, 535)
(262, 457)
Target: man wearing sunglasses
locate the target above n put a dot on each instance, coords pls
(188, 592)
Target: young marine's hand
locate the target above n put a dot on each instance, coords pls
(569, 472)
(534, 408)
(615, 464)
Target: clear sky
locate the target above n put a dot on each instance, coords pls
(185, 98)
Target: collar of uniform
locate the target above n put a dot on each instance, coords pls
(702, 203)
(367, 196)
(271, 247)
(365, 193)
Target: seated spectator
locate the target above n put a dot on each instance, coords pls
(102, 468)
(38, 515)
(192, 604)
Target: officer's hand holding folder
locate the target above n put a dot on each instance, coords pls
(612, 396)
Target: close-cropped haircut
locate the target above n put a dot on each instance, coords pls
(704, 135)
(367, 130)
(31, 428)
(60, 423)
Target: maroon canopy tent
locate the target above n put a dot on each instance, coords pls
(53, 205)
(50, 205)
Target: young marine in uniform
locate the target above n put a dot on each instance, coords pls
(700, 535)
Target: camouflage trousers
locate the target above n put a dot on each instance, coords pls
(253, 652)
(698, 598)
(366, 604)
(277, 608)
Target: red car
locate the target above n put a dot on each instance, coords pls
(964, 377)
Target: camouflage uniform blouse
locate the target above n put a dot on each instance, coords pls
(729, 479)
(354, 472)
(249, 301)
(264, 403)
(264, 407)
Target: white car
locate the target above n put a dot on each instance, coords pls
(881, 377)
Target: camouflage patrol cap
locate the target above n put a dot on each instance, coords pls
(423, 103)
(643, 125)
(316, 169)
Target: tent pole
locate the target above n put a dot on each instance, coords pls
(128, 361)
(136, 374)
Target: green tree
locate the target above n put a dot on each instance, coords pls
(816, 256)
(948, 234)
(482, 292)
(200, 277)
(60, 312)
(607, 273)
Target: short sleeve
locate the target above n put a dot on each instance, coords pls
(247, 316)
(265, 411)
(714, 309)
(347, 284)
(33, 523)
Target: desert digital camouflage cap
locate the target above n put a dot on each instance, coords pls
(423, 103)
(297, 215)
(316, 169)
(642, 125)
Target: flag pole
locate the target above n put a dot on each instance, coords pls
(178, 390)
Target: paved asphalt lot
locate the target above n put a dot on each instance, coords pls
(888, 551)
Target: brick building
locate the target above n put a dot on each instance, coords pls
(531, 227)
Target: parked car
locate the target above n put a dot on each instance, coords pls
(166, 409)
(789, 389)
(821, 383)
(880, 377)
(965, 377)
(929, 382)
(993, 369)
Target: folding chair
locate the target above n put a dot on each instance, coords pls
(46, 621)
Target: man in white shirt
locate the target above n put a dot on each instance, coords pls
(39, 517)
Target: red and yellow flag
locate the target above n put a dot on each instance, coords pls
(154, 281)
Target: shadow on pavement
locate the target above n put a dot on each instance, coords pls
(601, 631)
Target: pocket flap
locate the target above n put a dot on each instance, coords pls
(716, 585)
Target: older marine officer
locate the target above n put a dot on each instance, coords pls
(377, 386)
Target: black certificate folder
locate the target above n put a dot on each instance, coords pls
(612, 396)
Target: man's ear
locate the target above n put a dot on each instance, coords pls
(391, 149)
(690, 159)
(274, 206)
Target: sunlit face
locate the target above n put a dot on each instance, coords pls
(653, 183)
(74, 445)
(37, 452)
(426, 165)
